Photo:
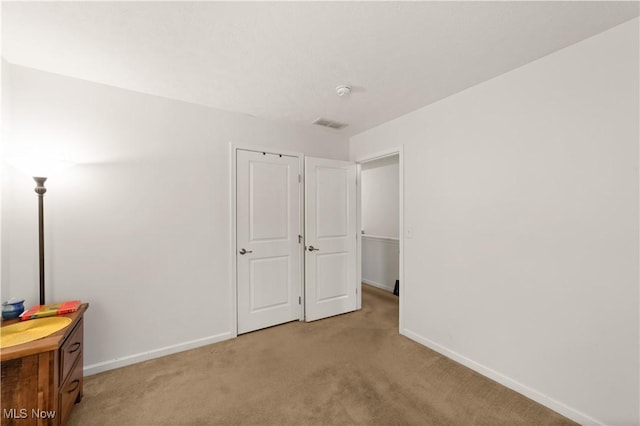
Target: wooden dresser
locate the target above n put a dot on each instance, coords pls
(42, 379)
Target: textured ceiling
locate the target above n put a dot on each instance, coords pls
(283, 61)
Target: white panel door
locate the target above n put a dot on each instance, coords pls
(330, 238)
(268, 247)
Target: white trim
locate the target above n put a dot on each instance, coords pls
(513, 384)
(401, 234)
(301, 231)
(380, 154)
(232, 240)
(233, 153)
(380, 238)
(100, 367)
(257, 148)
(358, 236)
(399, 151)
(378, 285)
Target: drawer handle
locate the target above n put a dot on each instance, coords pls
(77, 383)
(74, 347)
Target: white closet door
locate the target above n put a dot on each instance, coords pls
(330, 238)
(268, 247)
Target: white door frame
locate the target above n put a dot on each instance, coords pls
(233, 154)
(399, 151)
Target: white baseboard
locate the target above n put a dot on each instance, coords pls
(375, 284)
(155, 353)
(530, 393)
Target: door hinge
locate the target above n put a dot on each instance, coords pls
(299, 239)
(299, 178)
(299, 300)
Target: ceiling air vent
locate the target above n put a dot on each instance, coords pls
(330, 124)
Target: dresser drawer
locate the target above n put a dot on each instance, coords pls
(70, 351)
(70, 390)
(43, 375)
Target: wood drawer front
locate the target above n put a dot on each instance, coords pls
(71, 350)
(70, 390)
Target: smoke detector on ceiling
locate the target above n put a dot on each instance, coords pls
(343, 90)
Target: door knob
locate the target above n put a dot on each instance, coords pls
(243, 251)
(311, 248)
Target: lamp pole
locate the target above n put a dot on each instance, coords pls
(40, 190)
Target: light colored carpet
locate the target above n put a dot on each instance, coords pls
(350, 369)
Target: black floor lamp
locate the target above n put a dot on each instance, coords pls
(40, 190)
(38, 168)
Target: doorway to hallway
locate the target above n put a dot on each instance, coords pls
(380, 196)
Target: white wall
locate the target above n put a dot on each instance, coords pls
(380, 195)
(521, 194)
(5, 102)
(380, 259)
(141, 229)
(379, 181)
